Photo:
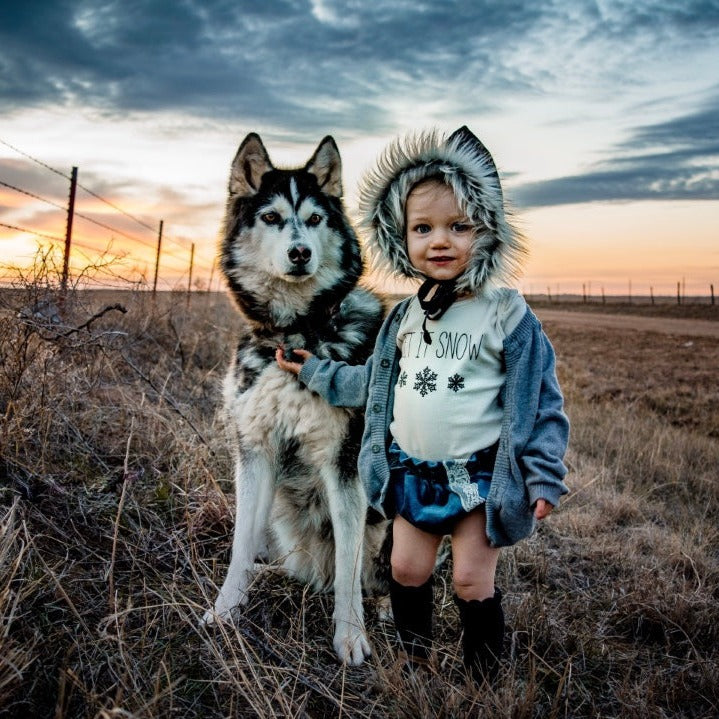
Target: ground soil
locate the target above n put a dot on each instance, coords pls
(665, 325)
(664, 365)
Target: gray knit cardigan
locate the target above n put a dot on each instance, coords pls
(533, 438)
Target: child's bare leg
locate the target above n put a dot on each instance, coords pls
(414, 553)
(411, 589)
(479, 602)
(474, 560)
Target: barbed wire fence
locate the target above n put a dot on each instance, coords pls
(150, 258)
(171, 262)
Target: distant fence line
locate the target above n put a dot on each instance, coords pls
(586, 296)
(178, 260)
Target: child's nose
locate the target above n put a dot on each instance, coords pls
(440, 237)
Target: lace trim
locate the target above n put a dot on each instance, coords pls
(461, 484)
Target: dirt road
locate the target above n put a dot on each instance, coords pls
(689, 327)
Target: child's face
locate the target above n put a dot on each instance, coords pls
(439, 235)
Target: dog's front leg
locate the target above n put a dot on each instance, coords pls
(254, 490)
(347, 504)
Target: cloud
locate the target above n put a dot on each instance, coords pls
(294, 67)
(37, 200)
(673, 160)
(134, 53)
(301, 68)
(699, 130)
(23, 175)
(330, 63)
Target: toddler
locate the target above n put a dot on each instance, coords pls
(465, 432)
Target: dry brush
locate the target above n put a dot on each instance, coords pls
(115, 521)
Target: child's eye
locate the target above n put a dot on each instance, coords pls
(422, 228)
(461, 227)
(270, 218)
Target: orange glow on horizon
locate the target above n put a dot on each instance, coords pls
(647, 244)
(609, 246)
(101, 236)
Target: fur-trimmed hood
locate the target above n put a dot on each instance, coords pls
(466, 166)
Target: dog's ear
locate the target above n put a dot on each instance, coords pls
(326, 166)
(250, 163)
(464, 137)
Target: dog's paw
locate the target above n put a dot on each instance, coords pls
(209, 618)
(225, 608)
(212, 617)
(351, 644)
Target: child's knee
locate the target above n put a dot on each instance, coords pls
(411, 573)
(473, 582)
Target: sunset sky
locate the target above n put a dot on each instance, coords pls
(603, 117)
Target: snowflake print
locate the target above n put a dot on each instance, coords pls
(455, 383)
(426, 381)
(402, 379)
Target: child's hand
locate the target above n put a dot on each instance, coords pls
(542, 508)
(287, 365)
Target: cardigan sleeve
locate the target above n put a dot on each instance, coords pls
(344, 385)
(542, 458)
(341, 384)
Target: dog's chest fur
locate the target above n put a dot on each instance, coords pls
(272, 410)
(275, 412)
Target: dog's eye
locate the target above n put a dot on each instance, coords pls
(270, 218)
(314, 219)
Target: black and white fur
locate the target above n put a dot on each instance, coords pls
(292, 261)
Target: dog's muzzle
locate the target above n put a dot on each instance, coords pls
(299, 256)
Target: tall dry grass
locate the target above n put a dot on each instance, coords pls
(115, 522)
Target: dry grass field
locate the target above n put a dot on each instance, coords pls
(116, 513)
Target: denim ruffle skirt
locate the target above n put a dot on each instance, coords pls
(434, 496)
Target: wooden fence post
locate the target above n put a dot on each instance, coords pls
(157, 258)
(68, 234)
(189, 281)
(212, 274)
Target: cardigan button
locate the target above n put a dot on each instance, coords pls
(385, 362)
(376, 449)
(376, 407)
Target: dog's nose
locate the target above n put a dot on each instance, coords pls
(299, 254)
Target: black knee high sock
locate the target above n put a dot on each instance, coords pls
(412, 609)
(483, 624)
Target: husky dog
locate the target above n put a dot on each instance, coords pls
(292, 262)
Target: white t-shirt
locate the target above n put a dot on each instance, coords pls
(446, 403)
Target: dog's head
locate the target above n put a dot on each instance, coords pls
(286, 230)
